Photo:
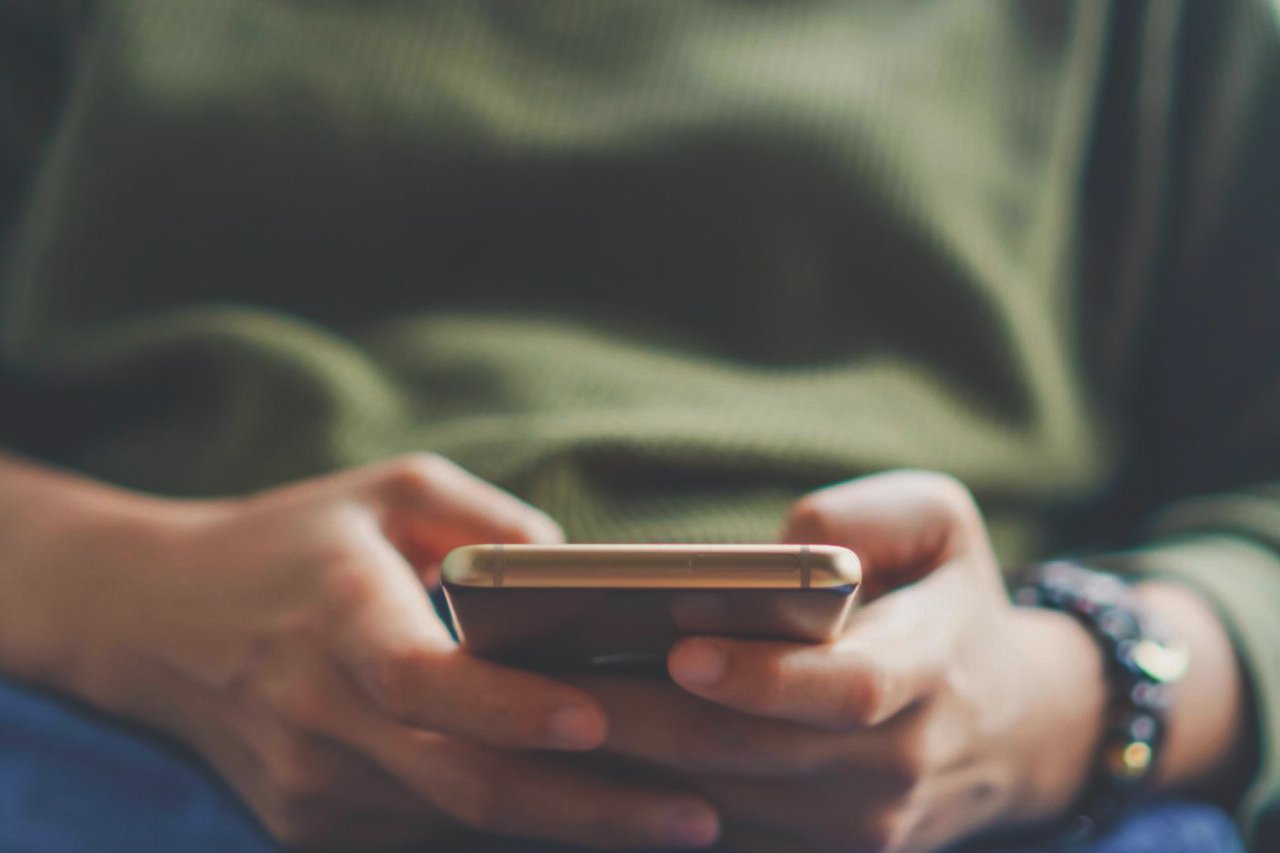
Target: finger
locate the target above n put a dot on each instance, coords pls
(862, 816)
(663, 728)
(317, 790)
(894, 653)
(518, 793)
(537, 796)
(839, 687)
(304, 788)
(820, 817)
(393, 643)
(323, 771)
(451, 691)
(901, 524)
(430, 506)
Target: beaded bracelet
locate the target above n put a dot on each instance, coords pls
(1142, 665)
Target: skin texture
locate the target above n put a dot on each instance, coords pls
(287, 637)
(941, 712)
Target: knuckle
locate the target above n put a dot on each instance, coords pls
(766, 689)
(511, 718)
(522, 726)
(864, 697)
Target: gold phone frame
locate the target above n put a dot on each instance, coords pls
(653, 566)
(621, 607)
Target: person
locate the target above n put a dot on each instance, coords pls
(298, 297)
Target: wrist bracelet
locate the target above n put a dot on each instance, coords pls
(1141, 664)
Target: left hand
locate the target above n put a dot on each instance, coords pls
(941, 711)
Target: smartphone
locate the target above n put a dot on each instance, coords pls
(621, 607)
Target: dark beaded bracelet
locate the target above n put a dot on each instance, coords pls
(1142, 664)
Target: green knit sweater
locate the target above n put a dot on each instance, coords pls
(661, 267)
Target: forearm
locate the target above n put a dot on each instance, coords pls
(58, 532)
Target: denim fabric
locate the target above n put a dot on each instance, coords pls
(72, 781)
(1164, 827)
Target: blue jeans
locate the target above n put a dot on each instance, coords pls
(71, 781)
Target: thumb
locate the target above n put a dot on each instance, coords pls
(427, 506)
(893, 653)
(902, 525)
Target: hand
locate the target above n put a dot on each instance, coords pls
(289, 639)
(941, 711)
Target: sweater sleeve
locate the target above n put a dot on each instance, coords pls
(1205, 402)
(37, 39)
(1213, 546)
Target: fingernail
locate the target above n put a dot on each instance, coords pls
(690, 825)
(575, 727)
(699, 663)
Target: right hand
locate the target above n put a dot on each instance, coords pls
(289, 639)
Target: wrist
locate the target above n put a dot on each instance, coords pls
(67, 545)
(1142, 663)
(1064, 712)
(1211, 747)
(130, 542)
